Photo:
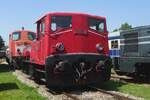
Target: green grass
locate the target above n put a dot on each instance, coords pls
(139, 90)
(13, 89)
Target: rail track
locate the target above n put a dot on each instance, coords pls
(122, 78)
(115, 95)
(68, 95)
(71, 96)
(127, 79)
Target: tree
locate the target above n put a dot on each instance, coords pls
(1, 42)
(115, 30)
(125, 26)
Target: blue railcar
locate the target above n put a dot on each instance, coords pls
(114, 47)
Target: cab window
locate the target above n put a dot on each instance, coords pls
(16, 36)
(96, 24)
(9, 36)
(60, 22)
(42, 28)
(31, 36)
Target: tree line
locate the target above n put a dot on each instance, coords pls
(2, 45)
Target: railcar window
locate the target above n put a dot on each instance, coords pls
(16, 36)
(148, 32)
(96, 24)
(31, 36)
(60, 22)
(114, 44)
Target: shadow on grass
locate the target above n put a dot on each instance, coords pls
(8, 86)
(4, 68)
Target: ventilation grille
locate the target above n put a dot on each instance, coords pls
(130, 43)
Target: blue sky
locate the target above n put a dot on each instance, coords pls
(17, 13)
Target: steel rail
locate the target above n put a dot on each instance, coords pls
(121, 77)
(70, 96)
(115, 95)
(64, 93)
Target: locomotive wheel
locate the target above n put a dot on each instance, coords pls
(12, 68)
(49, 74)
(36, 76)
(107, 71)
(31, 70)
(137, 72)
(23, 68)
(33, 73)
(149, 78)
(7, 60)
(26, 68)
(107, 74)
(53, 80)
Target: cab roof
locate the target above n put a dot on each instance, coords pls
(70, 14)
(21, 31)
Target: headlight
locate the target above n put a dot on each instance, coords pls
(99, 47)
(60, 47)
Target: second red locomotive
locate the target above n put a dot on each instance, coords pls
(19, 46)
(70, 49)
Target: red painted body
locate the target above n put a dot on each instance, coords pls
(78, 38)
(69, 49)
(21, 43)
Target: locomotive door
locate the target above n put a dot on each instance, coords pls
(41, 42)
(11, 46)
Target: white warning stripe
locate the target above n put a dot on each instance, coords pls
(147, 42)
(58, 33)
(97, 33)
(142, 37)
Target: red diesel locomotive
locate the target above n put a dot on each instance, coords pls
(70, 49)
(19, 46)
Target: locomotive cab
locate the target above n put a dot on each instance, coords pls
(72, 48)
